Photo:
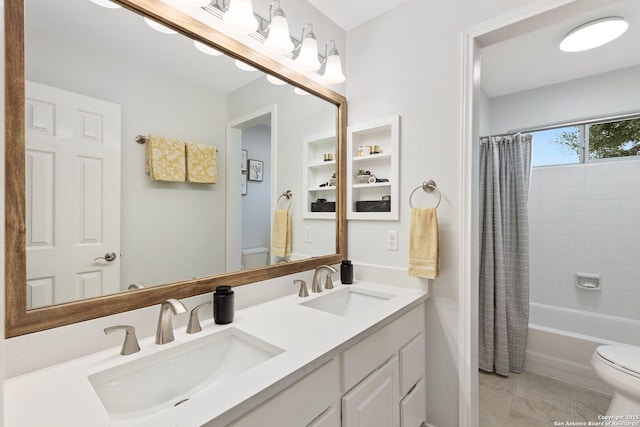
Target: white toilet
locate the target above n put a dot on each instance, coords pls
(619, 366)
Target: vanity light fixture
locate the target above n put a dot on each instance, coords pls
(240, 17)
(332, 65)
(275, 81)
(244, 66)
(159, 27)
(593, 34)
(278, 40)
(106, 3)
(307, 59)
(207, 50)
(300, 92)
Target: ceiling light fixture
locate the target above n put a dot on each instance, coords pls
(307, 59)
(278, 40)
(159, 27)
(594, 34)
(332, 65)
(300, 92)
(240, 17)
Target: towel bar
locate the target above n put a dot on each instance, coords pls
(141, 139)
(427, 186)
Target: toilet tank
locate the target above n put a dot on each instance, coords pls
(254, 257)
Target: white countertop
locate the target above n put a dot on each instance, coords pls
(63, 396)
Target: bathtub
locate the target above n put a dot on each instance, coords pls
(561, 342)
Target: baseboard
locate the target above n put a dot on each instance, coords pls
(564, 370)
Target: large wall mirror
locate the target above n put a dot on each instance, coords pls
(88, 233)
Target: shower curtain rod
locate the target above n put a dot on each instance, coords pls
(587, 121)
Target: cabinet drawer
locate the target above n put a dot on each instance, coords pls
(363, 358)
(413, 408)
(412, 363)
(299, 404)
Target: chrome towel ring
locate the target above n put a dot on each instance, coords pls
(287, 195)
(427, 186)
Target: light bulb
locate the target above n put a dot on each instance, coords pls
(207, 50)
(159, 27)
(594, 34)
(240, 16)
(278, 40)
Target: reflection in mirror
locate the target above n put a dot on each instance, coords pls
(96, 223)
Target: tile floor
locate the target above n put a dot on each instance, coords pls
(531, 400)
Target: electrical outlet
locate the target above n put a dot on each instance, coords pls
(307, 234)
(392, 240)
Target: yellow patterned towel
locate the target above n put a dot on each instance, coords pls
(424, 250)
(281, 233)
(166, 159)
(202, 164)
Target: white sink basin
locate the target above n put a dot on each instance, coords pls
(167, 378)
(348, 301)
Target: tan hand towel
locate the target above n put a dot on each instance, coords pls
(281, 233)
(424, 251)
(202, 164)
(166, 159)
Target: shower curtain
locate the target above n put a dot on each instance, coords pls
(505, 169)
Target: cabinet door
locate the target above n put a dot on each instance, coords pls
(329, 418)
(374, 401)
(413, 408)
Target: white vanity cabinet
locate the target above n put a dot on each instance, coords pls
(312, 401)
(378, 381)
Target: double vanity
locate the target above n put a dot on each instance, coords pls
(340, 357)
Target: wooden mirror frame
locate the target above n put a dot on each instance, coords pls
(21, 321)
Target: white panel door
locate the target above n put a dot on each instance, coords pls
(374, 402)
(72, 196)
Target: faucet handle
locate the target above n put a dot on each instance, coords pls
(194, 321)
(328, 283)
(130, 344)
(304, 292)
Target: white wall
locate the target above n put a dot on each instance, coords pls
(296, 118)
(409, 62)
(256, 205)
(584, 218)
(596, 96)
(154, 214)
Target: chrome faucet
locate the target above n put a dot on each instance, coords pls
(130, 345)
(316, 286)
(164, 334)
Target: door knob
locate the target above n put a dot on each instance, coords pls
(109, 256)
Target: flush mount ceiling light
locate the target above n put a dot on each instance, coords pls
(278, 40)
(240, 17)
(594, 34)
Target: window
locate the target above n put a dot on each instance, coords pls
(586, 142)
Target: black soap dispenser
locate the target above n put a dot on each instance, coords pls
(346, 272)
(223, 305)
